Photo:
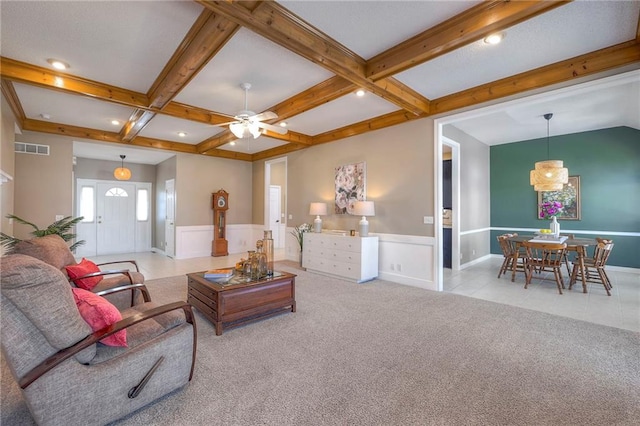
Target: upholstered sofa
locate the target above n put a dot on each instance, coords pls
(68, 373)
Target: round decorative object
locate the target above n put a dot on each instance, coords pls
(222, 202)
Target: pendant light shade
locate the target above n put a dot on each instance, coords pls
(549, 175)
(122, 173)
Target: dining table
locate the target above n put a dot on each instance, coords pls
(577, 245)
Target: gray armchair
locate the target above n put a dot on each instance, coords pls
(52, 249)
(66, 374)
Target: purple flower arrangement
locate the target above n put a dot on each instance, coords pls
(550, 209)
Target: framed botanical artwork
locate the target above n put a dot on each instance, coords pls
(569, 197)
(350, 181)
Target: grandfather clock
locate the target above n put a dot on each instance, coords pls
(219, 246)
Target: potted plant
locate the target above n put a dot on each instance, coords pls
(63, 228)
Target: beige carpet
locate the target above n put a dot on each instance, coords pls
(381, 353)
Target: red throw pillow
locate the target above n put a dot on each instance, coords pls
(80, 270)
(99, 313)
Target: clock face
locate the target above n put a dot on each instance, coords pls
(222, 202)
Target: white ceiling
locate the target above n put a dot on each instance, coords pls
(127, 44)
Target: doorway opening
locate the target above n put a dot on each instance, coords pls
(275, 199)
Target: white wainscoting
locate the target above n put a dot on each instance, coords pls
(412, 258)
(195, 241)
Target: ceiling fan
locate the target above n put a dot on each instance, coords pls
(249, 124)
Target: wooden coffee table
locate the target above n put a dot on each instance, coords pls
(237, 300)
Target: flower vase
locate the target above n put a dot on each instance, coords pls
(555, 227)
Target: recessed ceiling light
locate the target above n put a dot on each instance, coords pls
(283, 124)
(182, 134)
(494, 38)
(115, 122)
(360, 92)
(58, 64)
(45, 116)
(232, 143)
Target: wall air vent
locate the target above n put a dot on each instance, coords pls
(31, 148)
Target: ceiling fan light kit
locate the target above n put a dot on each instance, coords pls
(249, 124)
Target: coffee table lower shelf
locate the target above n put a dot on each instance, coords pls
(232, 305)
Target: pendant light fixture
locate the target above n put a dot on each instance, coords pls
(122, 173)
(549, 175)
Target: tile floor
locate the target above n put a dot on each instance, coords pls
(621, 309)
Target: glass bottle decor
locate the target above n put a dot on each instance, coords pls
(267, 247)
(555, 227)
(262, 260)
(246, 268)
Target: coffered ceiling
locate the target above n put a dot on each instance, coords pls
(164, 67)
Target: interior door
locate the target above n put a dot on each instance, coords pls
(169, 224)
(116, 215)
(275, 210)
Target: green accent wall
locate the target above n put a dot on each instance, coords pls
(608, 163)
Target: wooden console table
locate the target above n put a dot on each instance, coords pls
(237, 300)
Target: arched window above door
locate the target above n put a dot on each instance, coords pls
(116, 192)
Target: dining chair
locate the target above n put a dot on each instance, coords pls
(566, 259)
(543, 257)
(594, 267)
(513, 257)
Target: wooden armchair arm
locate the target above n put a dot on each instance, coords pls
(64, 354)
(129, 287)
(121, 261)
(100, 273)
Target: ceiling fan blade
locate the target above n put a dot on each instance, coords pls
(264, 116)
(272, 128)
(226, 123)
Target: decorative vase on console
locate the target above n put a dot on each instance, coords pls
(555, 227)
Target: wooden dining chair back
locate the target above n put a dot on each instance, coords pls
(594, 267)
(513, 260)
(543, 257)
(567, 261)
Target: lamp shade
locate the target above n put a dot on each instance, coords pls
(364, 208)
(318, 209)
(245, 129)
(122, 173)
(549, 175)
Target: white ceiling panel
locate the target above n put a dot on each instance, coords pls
(122, 43)
(274, 73)
(339, 113)
(575, 29)
(611, 102)
(71, 109)
(167, 128)
(371, 27)
(112, 152)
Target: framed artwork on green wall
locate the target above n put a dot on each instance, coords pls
(569, 197)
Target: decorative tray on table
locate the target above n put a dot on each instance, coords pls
(547, 238)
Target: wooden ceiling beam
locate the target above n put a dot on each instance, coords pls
(137, 121)
(277, 24)
(204, 40)
(594, 62)
(11, 96)
(326, 91)
(33, 75)
(278, 151)
(467, 27)
(386, 120)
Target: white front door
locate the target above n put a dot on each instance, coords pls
(169, 224)
(116, 215)
(275, 201)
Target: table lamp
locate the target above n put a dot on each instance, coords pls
(364, 209)
(318, 209)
